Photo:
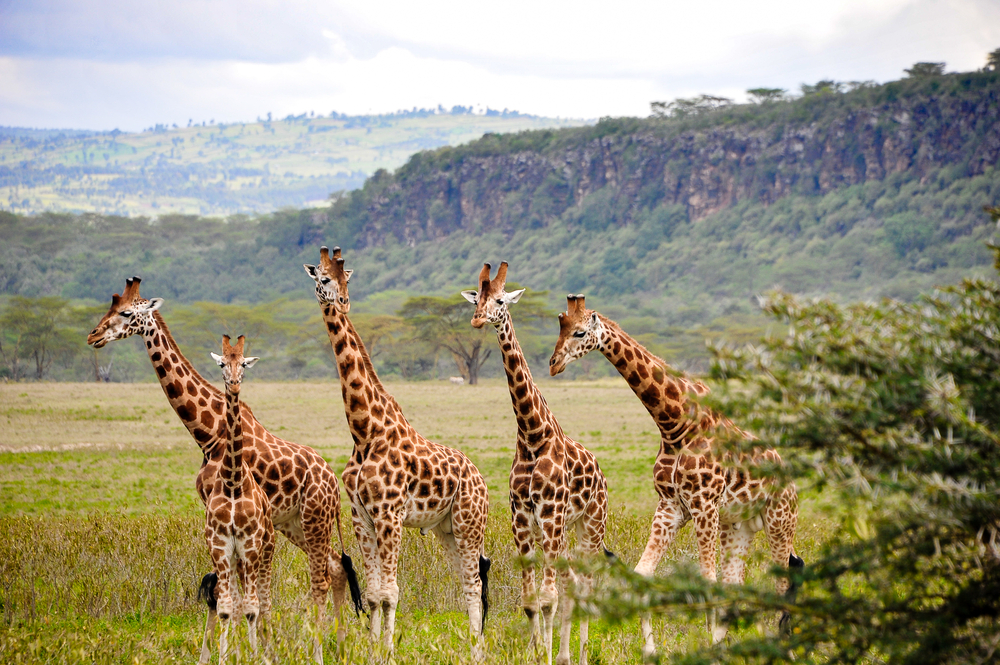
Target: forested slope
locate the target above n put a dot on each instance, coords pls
(671, 226)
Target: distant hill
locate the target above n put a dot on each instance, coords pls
(226, 168)
(670, 226)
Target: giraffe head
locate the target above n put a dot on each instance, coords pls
(129, 314)
(580, 332)
(233, 362)
(331, 280)
(491, 300)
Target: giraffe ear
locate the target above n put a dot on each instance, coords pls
(251, 361)
(154, 304)
(514, 296)
(593, 321)
(310, 270)
(218, 359)
(470, 296)
(347, 274)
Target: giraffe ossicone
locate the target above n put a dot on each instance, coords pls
(727, 503)
(396, 478)
(302, 489)
(556, 484)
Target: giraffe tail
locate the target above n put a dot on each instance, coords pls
(793, 588)
(207, 590)
(352, 575)
(609, 555)
(484, 576)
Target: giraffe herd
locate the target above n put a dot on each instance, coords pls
(254, 484)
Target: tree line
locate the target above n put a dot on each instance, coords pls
(428, 337)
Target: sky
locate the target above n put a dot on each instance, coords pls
(130, 64)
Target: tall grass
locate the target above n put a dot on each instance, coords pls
(112, 588)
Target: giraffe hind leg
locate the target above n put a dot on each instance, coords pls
(786, 616)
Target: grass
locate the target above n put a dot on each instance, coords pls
(101, 546)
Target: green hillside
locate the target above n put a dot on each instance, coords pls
(225, 168)
(670, 226)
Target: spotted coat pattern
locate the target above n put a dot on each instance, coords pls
(238, 526)
(556, 484)
(302, 489)
(725, 501)
(395, 477)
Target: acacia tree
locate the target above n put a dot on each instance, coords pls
(444, 323)
(891, 408)
(36, 331)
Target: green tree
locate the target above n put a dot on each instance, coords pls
(993, 61)
(766, 95)
(202, 324)
(37, 331)
(891, 408)
(826, 86)
(444, 323)
(681, 107)
(925, 69)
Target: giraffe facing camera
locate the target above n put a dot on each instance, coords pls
(556, 484)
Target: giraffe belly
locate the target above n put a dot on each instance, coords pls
(423, 516)
(737, 509)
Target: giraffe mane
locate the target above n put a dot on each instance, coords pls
(370, 367)
(165, 332)
(690, 384)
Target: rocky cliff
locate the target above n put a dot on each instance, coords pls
(607, 173)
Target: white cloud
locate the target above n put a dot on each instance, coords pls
(112, 63)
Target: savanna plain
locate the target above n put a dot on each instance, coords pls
(101, 545)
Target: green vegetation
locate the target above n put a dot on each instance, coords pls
(101, 547)
(891, 408)
(225, 168)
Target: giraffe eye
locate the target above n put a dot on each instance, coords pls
(127, 313)
(579, 333)
(325, 280)
(499, 301)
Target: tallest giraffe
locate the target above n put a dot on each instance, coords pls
(396, 478)
(725, 503)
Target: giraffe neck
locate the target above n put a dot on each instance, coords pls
(231, 471)
(534, 419)
(367, 403)
(662, 393)
(188, 392)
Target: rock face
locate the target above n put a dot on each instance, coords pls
(617, 168)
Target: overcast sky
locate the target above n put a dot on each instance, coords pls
(102, 64)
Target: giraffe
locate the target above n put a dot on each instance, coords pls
(726, 504)
(302, 489)
(396, 478)
(555, 483)
(238, 526)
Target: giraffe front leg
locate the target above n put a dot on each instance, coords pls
(550, 516)
(706, 523)
(521, 519)
(565, 617)
(667, 521)
(389, 533)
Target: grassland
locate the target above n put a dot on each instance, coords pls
(100, 531)
(224, 168)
